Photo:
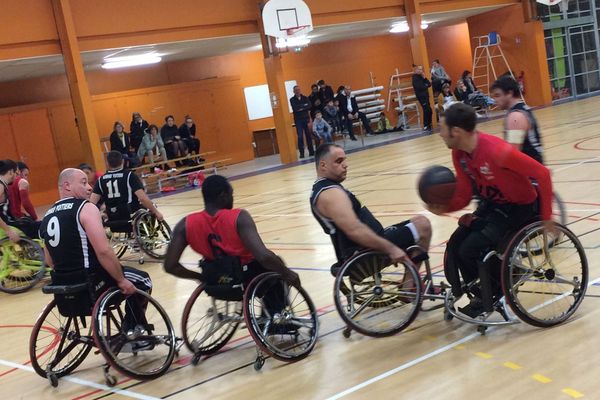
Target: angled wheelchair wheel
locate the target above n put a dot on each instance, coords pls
(134, 334)
(22, 265)
(376, 297)
(544, 279)
(208, 323)
(281, 319)
(119, 241)
(152, 235)
(59, 344)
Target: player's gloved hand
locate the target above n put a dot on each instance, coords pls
(126, 287)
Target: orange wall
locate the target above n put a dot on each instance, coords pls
(523, 46)
(452, 46)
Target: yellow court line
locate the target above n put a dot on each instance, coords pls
(484, 355)
(459, 347)
(573, 393)
(541, 378)
(512, 365)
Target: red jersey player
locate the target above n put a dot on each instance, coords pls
(502, 177)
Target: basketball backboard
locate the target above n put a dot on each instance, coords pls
(562, 3)
(286, 18)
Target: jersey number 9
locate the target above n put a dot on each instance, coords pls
(53, 232)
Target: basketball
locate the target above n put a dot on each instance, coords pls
(437, 185)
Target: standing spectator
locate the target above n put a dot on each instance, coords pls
(150, 143)
(438, 76)
(120, 141)
(187, 131)
(18, 194)
(331, 114)
(315, 100)
(173, 144)
(321, 128)
(137, 128)
(421, 86)
(349, 109)
(301, 107)
(325, 92)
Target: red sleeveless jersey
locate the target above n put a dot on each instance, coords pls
(201, 227)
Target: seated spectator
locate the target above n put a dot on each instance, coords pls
(120, 141)
(384, 125)
(325, 92)
(475, 97)
(315, 100)
(321, 128)
(92, 176)
(330, 113)
(187, 131)
(136, 129)
(445, 99)
(173, 142)
(18, 194)
(151, 143)
(460, 92)
(349, 109)
(438, 76)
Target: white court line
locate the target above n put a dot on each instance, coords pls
(426, 356)
(575, 165)
(83, 382)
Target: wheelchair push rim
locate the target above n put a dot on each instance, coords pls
(376, 297)
(153, 236)
(281, 318)
(56, 339)
(545, 285)
(208, 323)
(142, 350)
(22, 265)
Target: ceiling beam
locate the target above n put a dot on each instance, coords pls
(437, 6)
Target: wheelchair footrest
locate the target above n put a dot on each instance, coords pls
(65, 289)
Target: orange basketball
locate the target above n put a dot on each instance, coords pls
(437, 185)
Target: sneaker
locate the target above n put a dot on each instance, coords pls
(133, 345)
(473, 309)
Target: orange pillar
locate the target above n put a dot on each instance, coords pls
(418, 45)
(80, 94)
(286, 134)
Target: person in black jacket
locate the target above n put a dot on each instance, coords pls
(421, 86)
(187, 132)
(137, 127)
(301, 107)
(173, 143)
(349, 110)
(325, 92)
(315, 100)
(120, 141)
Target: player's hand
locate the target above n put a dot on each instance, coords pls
(436, 209)
(159, 216)
(126, 287)
(550, 228)
(292, 278)
(13, 236)
(398, 255)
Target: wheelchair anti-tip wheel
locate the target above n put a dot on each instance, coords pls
(208, 323)
(134, 334)
(376, 297)
(22, 265)
(152, 235)
(281, 318)
(544, 279)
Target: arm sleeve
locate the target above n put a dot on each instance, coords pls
(97, 188)
(522, 164)
(135, 182)
(464, 189)
(26, 202)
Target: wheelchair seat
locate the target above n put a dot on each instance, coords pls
(65, 289)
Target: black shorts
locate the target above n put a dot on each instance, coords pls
(400, 235)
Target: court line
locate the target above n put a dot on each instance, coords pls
(576, 165)
(83, 382)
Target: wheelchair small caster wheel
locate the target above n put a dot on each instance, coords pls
(111, 380)
(481, 329)
(346, 332)
(258, 364)
(52, 379)
(141, 261)
(196, 359)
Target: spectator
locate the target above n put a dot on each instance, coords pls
(421, 86)
(120, 141)
(315, 100)
(151, 143)
(321, 128)
(137, 128)
(467, 79)
(331, 114)
(438, 76)
(173, 144)
(187, 131)
(460, 92)
(475, 97)
(18, 194)
(92, 176)
(384, 125)
(445, 99)
(349, 108)
(325, 92)
(301, 107)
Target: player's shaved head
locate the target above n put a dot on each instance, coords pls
(68, 175)
(73, 182)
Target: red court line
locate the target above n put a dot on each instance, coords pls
(582, 203)
(50, 347)
(577, 145)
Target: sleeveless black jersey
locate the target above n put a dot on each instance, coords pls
(117, 189)
(65, 239)
(5, 205)
(532, 144)
(344, 246)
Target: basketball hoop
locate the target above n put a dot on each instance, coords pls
(562, 4)
(285, 19)
(296, 30)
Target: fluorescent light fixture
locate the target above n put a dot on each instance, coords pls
(299, 41)
(403, 27)
(424, 25)
(131, 61)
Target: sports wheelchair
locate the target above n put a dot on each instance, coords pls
(141, 231)
(76, 320)
(22, 264)
(281, 319)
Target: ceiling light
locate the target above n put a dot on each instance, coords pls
(299, 41)
(131, 61)
(399, 28)
(424, 25)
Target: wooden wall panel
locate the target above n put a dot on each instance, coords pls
(69, 149)
(9, 147)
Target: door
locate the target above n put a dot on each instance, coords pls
(583, 59)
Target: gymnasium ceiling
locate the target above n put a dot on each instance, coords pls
(12, 70)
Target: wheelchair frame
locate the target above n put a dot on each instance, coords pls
(11, 261)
